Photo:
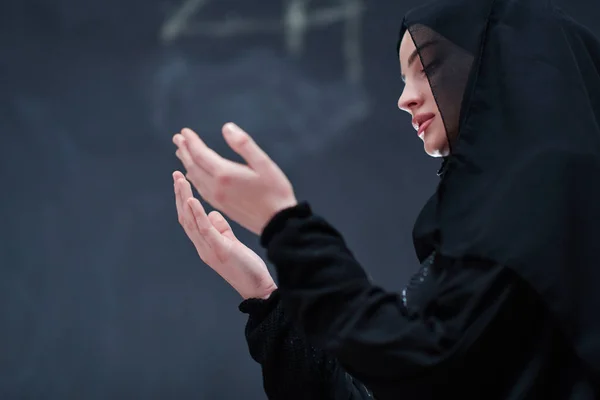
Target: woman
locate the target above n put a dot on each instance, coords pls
(505, 305)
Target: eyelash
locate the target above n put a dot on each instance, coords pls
(430, 68)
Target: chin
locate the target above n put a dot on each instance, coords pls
(435, 153)
(437, 148)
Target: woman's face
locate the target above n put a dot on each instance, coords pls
(417, 100)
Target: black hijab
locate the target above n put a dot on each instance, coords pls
(517, 83)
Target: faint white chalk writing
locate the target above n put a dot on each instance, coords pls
(294, 24)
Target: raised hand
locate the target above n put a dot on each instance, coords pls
(249, 194)
(218, 247)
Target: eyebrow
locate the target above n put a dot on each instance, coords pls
(415, 53)
(413, 57)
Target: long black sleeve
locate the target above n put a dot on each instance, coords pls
(403, 343)
(292, 368)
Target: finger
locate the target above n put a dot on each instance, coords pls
(177, 175)
(184, 215)
(201, 181)
(182, 152)
(205, 227)
(185, 190)
(199, 177)
(246, 147)
(190, 226)
(221, 224)
(201, 154)
(178, 201)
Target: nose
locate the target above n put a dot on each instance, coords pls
(410, 99)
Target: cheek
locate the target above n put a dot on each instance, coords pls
(428, 93)
(440, 129)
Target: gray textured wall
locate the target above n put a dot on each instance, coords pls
(101, 294)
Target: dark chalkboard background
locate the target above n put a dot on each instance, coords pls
(101, 294)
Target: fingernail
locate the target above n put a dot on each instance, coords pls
(233, 129)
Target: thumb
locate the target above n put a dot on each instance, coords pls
(245, 146)
(220, 223)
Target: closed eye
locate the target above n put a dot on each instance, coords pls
(431, 67)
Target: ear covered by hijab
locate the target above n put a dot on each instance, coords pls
(518, 85)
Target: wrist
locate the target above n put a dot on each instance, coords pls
(268, 293)
(285, 204)
(260, 293)
(278, 209)
(279, 221)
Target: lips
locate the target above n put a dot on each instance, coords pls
(424, 126)
(422, 121)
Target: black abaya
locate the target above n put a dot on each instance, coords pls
(467, 328)
(505, 305)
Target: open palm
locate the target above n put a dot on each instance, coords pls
(218, 247)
